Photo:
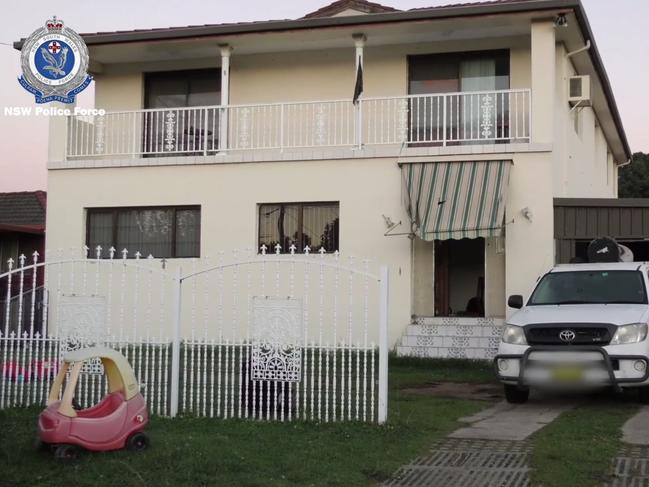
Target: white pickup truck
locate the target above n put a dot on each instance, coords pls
(584, 326)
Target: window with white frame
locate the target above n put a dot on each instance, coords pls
(300, 224)
(163, 232)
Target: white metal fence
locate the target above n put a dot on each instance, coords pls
(246, 335)
(436, 119)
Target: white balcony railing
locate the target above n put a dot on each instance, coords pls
(415, 120)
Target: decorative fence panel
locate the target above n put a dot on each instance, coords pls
(268, 336)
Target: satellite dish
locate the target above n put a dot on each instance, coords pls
(626, 254)
(606, 249)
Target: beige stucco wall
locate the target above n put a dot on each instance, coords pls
(229, 194)
(529, 245)
(314, 75)
(583, 166)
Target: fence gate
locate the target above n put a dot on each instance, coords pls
(269, 335)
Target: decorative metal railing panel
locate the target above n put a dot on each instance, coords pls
(246, 334)
(436, 119)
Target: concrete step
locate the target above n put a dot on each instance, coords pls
(447, 352)
(470, 338)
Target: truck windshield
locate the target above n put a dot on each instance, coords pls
(590, 287)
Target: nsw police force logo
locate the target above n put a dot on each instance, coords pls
(54, 61)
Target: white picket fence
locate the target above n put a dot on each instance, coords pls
(243, 335)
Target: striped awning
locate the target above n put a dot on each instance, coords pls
(453, 200)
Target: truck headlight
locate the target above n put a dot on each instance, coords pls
(630, 334)
(514, 335)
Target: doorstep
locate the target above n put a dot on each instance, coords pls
(453, 337)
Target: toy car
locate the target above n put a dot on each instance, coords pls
(116, 422)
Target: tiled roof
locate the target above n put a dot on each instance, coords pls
(24, 208)
(342, 5)
(326, 11)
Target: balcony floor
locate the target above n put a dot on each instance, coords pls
(479, 151)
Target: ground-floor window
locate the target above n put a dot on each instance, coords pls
(301, 224)
(163, 232)
(459, 277)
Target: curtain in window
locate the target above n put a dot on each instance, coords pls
(315, 225)
(321, 227)
(145, 231)
(188, 233)
(100, 233)
(477, 110)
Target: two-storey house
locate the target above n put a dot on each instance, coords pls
(433, 140)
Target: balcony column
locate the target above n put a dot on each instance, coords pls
(226, 51)
(58, 136)
(543, 81)
(359, 42)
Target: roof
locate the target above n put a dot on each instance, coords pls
(602, 202)
(314, 21)
(599, 266)
(23, 211)
(342, 5)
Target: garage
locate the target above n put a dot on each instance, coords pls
(577, 221)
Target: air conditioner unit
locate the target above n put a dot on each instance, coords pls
(579, 91)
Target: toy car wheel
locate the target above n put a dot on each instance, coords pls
(516, 395)
(66, 453)
(137, 442)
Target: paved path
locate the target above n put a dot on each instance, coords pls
(491, 451)
(512, 422)
(631, 466)
(469, 463)
(636, 430)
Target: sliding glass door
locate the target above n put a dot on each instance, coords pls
(465, 114)
(181, 130)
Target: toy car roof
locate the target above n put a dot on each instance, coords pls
(117, 369)
(93, 352)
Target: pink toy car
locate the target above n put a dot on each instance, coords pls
(116, 422)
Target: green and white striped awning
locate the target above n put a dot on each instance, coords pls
(453, 200)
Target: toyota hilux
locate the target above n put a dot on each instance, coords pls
(584, 326)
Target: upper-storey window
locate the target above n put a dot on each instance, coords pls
(185, 130)
(470, 112)
(459, 72)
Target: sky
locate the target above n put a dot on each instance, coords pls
(619, 27)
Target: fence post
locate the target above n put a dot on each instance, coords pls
(383, 344)
(175, 345)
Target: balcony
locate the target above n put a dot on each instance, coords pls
(485, 117)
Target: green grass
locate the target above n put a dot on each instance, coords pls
(577, 449)
(193, 451)
(411, 372)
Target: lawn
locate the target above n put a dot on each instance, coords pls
(577, 449)
(193, 451)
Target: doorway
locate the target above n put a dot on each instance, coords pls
(459, 277)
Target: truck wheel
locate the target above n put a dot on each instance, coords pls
(515, 395)
(643, 394)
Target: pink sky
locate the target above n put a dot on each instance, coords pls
(619, 27)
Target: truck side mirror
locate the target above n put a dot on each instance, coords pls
(515, 301)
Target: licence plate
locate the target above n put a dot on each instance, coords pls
(568, 374)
